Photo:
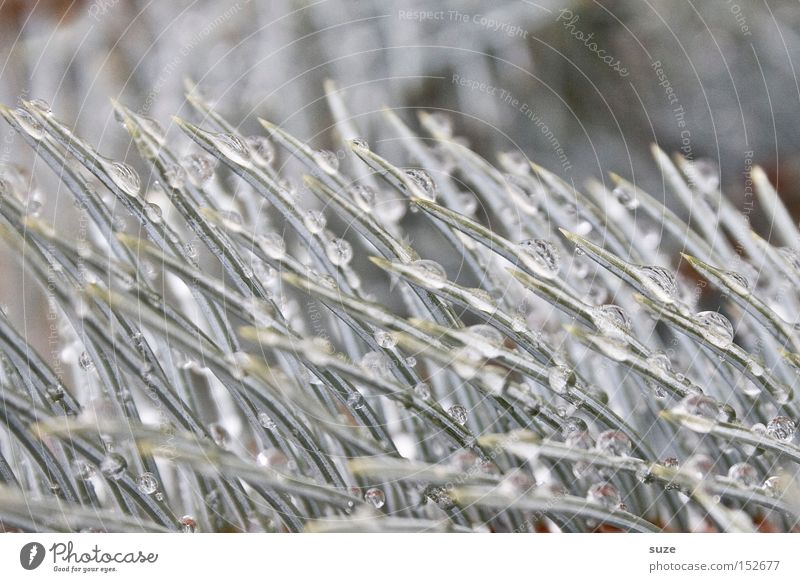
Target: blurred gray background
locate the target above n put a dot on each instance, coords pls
(581, 87)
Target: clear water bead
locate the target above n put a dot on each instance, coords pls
(188, 524)
(744, 474)
(327, 160)
(701, 405)
(29, 124)
(719, 330)
(232, 147)
(86, 362)
(541, 256)
(659, 282)
(147, 483)
(385, 339)
(262, 149)
(153, 212)
(458, 413)
(424, 185)
(376, 363)
(124, 176)
(199, 167)
(266, 421)
(355, 400)
(273, 458)
(573, 425)
(611, 320)
(360, 144)
(423, 390)
(272, 244)
(626, 197)
(782, 428)
(113, 466)
(375, 497)
(614, 443)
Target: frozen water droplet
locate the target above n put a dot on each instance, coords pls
(573, 425)
(355, 400)
(360, 144)
(188, 524)
(339, 251)
(423, 184)
(113, 465)
(439, 496)
(626, 197)
(82, 470)
(262, 149)
(659, 282)
(124, 176)
(560, 378)
(327, 160)
(315, 221)
(272, 244)
(430, 272)
(364, 197)
(526, 193)
(744, 474)
(147, 483)
(423, 390)
(376, 363)
(781, 428)
(375, 497)
(385, 339)
(199, 168)
(719, 330)
(85, 362)
(458, 413)
(699, 466)
(153, 212)
(541, 256)
(614, 442)
(29, 124)
(266, 421)
(605, 494)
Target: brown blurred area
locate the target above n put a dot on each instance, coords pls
(14, 13)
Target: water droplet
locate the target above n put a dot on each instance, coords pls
(467, 203)
(272, 244)
(262, 149)
(484, 338)
(327, 160)
(232, 147)
(355, 400)
(219, 434)
(605, 494)
(199, 168)
(376, 497)
(744, 474)
(188, 524)
(124, 176)
(423, 390)
(411, 361)
(376, 363)
(699, 466)
(85, 362)
(572, 426)
(153, 212)
(29, 124)
(147, 483)
(458, 413)
(424, 186)
(659, 282)
(430, 272)
(782, 428)
(541, 256)
(701, 405)
(560, 378)
(385, 339)
(113, 465)
(738, 281)
(774, 486)
(266, 421)
(360, 144)
(481, 300)
(82, 470)
(526, 193)
(719, 330)
(614, 442)
(439, 496)
(315, 221)
(626, 197)
(41, 106)
(611, 320)
(364, 197)
(339, 251)
(274, 459)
